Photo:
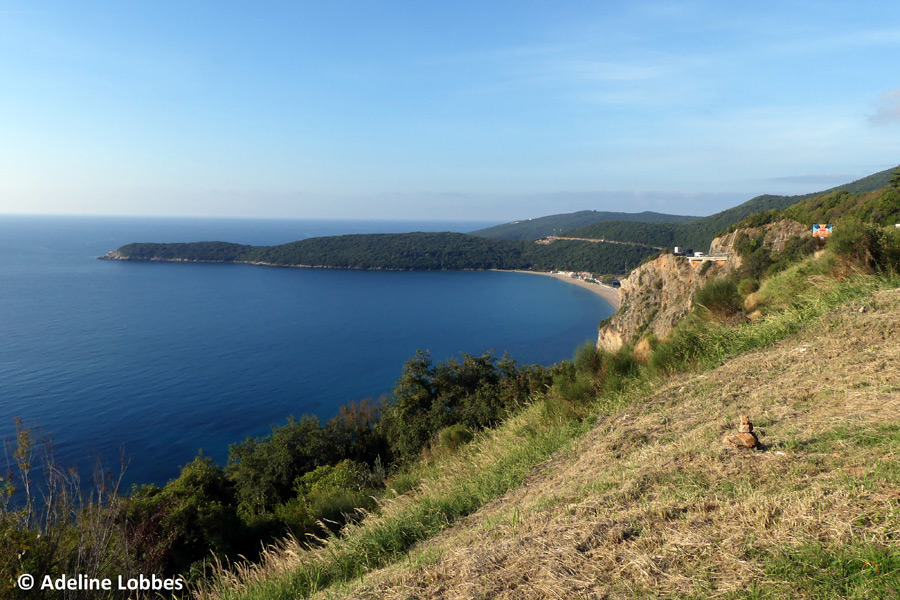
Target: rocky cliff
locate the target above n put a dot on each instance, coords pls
(654, 297)
(657, 294)
(774, 237)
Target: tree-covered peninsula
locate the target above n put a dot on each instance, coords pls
(402, 251)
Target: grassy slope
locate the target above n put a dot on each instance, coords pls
(697, 234)
(649, 502)
(532, 229)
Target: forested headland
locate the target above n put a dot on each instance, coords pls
(403, 251)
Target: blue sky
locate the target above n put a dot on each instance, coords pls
(438, 110)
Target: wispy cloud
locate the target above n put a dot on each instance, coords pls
(888, 109)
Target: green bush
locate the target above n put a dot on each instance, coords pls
(476, 392)
(403, 482)
(719, 296)
(679, 349)
(588, 358)
(454, 436)
(263, 470)
(618, 367)
(867, 245)
(332, 494)
(171, 528)
(853, 240)
(886, 256)
(747, 286)
(575, 389)
(578, 382)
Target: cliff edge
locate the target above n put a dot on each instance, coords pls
(655, 296)
(659, 293)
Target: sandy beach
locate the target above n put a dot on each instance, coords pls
(609, 294)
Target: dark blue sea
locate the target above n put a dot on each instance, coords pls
(159, 360)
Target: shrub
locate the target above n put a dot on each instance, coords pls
(477, 392)
(644, 348)
(886, 255)
(853, 240)
(403, 482)
(867, 245)
(332, 493)
(747, 286)
(264, 470)
(171, 528)
(618, 367)
(588, 358)
(719, 296)
(577, 389)
(680, 348)
(454, 436)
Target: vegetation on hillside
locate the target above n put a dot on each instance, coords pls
(698, 233)
(306, 478)
(406, 251)
(532, 229)
(486, 250)
(879, 207)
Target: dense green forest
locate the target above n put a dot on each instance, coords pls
(698, 233)
(407, 251)
(532, 229)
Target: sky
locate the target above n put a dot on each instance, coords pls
(487, 110)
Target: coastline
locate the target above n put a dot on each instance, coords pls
(609, 294)
(604, 291)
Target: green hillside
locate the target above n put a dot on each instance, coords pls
(699, 233)
(532, 229)
(404, 251)
(881, 207)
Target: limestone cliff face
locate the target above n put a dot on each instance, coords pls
(776, 236)
(654, 297)
(659, 293)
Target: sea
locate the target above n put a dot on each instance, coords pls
(146, 364)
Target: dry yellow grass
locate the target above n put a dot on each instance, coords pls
(752, 302)
(650, 503)
(643, 350)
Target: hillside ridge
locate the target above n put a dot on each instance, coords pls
(538, 227)
(699, 233)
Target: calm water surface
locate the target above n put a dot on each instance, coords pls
(161, 359)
